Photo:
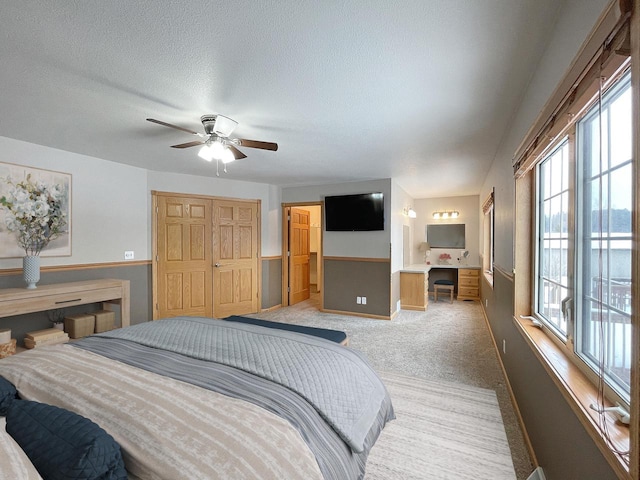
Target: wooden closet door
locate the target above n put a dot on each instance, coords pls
(235, 257)
(184, 257)
(300, 253)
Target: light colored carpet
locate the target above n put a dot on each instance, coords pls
(442, 430)
(447, 343)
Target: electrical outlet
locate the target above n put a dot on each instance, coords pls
(358, 300)
(504, 346)
(364, 300)
(128, 255)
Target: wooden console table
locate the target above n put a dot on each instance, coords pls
(109, 292)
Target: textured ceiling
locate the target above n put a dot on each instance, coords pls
(418, 90)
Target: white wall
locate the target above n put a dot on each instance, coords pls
(349, 244)
(315, 222)
(269, 196)
(467, 206)
(272, 226)
(400, 200)
(575, 21)
(109, 204)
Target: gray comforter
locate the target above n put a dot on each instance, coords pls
(334, 457)
(335, 380)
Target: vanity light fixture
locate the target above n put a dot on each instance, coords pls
(446, 214)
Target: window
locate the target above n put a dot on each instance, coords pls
(584, 238)
(487, 231)
(605, 191)
(553, 265)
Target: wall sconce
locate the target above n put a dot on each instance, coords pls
(446, 214)
(409, 212)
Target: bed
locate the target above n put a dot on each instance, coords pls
(200, 398)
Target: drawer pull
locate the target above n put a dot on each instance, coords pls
(69, 301)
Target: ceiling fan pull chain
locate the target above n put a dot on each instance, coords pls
(217, 168)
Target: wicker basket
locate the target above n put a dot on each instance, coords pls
(105, 320)
(78, 326)
(7, 349)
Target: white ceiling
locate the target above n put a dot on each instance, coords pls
(417, 90)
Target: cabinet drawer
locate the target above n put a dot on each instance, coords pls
(468, 281)
(469, 272)
(50, 302)
(468, 292)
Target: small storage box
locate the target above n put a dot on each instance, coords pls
(7, 349)
(5, 336)
(78, 326)
(105, 320)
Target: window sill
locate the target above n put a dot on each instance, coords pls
(488, 276)
(579, 393)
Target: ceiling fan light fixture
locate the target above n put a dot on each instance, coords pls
(215, 143)
(227, 156)
(224, 126)
(205, 153)
(217, 150)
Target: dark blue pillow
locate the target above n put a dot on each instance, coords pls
(63, 445)
(8, 394)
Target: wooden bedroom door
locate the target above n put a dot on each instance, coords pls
(299, 248)
(235, 257)
(183, 257)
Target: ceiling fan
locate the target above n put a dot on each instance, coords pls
(215, 141)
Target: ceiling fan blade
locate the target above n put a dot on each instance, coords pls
(236, 153)
(189, 144)
(256, 144)
(153, 120)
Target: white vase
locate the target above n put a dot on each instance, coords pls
(31, 270)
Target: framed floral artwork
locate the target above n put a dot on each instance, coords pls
(35, 212)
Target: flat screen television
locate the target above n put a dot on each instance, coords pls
(354, 213)
(446, 235)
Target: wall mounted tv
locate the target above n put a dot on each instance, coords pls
(354, 213)
(446, 235)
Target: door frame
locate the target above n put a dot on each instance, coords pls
(286, 210)
(154, 236)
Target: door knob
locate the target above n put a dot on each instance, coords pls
(217, 265)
